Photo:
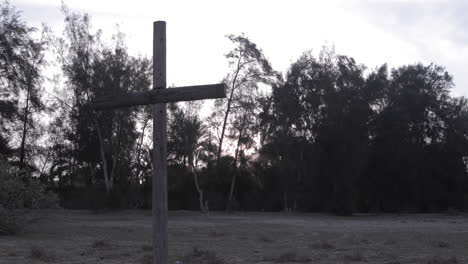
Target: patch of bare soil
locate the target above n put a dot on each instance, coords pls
(124, 237)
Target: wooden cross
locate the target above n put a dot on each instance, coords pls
(159, 96)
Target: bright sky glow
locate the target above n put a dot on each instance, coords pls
(373, 32)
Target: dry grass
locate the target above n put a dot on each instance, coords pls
(440, 260)
(82, 237)
(289, 257)
(11, 222)
(216, 234)
(199, 256)
(390, 242)
(323, 245)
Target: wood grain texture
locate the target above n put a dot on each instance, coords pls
(155, 96)
(159, 202)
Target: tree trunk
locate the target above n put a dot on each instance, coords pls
(228, 109)
(115, 156)
(203, 209)
(103, 158)
(223, 130)
(25, 128)
(285, 201)
(234, 175)
(138, 167)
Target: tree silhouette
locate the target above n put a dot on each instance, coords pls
(21, 59)
(104, 140)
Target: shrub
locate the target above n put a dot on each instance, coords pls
(146, 247)
(100, 244)
(41, 254)
(37, 197)
(19, 190)
(12, 187)
(443, 244)
(147, 259)
(266, 239)
(355, 256)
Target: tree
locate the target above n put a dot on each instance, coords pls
(413, 137)
(142, 165)
(243, 130)
(249, 68)
(316, 130)
(103, 140)
(21, 59)
(188, 143)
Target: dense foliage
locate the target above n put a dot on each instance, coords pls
(343, 140)
(18, 193)
(328, 135)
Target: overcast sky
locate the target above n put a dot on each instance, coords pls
(373, 32)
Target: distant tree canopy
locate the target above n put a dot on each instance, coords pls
(346, 141)
(328, 135)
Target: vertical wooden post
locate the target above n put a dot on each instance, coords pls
(160, 249)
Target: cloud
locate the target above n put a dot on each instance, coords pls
(437, 30)
(374, 32)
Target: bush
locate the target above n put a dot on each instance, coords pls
(19, 190)
(100, 244)
(12, 188)
(354, 256)
(40, 253)
(36, 196)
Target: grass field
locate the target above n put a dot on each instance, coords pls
(125, 237)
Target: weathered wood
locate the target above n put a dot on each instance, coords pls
(159, 203)
(187, 93)
(159, 96)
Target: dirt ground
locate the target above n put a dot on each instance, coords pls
(124, 237)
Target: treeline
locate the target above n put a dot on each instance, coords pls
(328, 135)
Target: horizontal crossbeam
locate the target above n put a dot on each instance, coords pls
(155, 96)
